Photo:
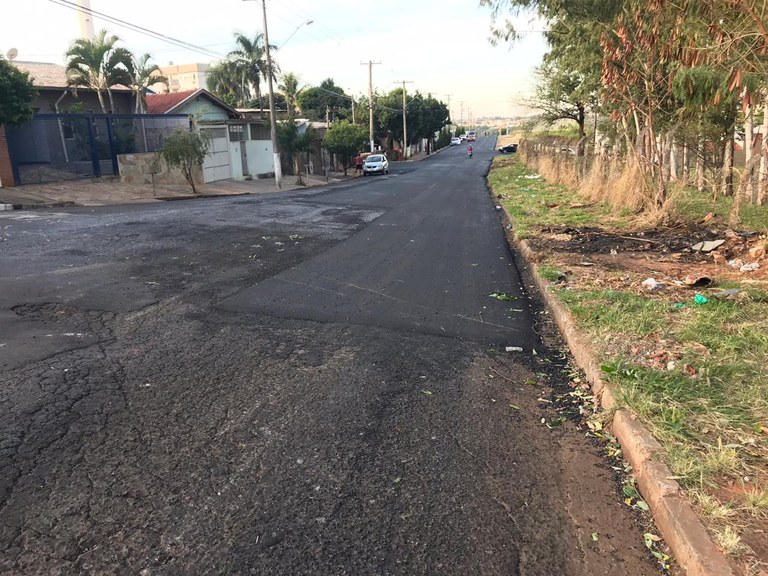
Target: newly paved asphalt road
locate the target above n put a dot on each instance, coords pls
(302, 383)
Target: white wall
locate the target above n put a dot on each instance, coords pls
(260, 157)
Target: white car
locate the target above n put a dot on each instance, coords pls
(376, 164)
(456, 141)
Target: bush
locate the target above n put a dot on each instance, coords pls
(186, 150)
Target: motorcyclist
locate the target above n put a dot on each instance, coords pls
(469, 150)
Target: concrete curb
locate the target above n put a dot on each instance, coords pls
(693, 548)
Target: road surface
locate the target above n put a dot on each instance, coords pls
(312, 382)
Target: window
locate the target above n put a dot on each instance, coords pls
(236, 133)
(259, 132)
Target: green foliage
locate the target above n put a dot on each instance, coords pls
(443, 139)
(345, 140)
(292, 143)
(315, 101)
(99, 64)
(16, 95)
(185, 149)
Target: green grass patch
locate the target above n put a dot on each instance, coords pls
(709, 406)
(533, 202)
(693, 206)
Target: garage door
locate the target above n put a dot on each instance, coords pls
(216, 164)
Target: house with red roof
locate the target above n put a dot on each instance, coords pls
(241, 146)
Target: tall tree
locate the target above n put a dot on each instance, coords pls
(345, 140)
(16, 95)
(324, 101)
(143, 76)
(225, 80)
(250, 57)
(290, 88)
(98, 64)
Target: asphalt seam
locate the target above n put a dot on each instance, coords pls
(693, 548)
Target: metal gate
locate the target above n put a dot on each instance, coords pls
(55, 147)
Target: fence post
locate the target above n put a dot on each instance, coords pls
(112, 139)
(92, 142)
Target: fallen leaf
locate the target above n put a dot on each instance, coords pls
(594, 536)
(515, 407)
(427, 392)
(397, 480)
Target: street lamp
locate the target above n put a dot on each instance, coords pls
(307, 23)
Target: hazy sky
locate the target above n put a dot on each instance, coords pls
(440, 45)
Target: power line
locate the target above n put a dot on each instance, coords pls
(137, 28)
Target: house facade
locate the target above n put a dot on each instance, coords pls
(55, 96)
(241, 147)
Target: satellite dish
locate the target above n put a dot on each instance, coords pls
(12, 53)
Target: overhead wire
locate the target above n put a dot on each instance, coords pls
(186, 45)
(137, 28)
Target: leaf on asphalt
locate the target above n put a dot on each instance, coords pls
(397, 480)
(514, 406)
(534, 352)
(427, 392)
(595, 537)
(502, 296)
(295, 236)
(151, 283)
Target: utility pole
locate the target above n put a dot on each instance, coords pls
(370, 99)
(405, 124)
(450, 116)
(272, 119)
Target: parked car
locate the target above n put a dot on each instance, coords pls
(456, 141)
(508, 149)
(376, 164)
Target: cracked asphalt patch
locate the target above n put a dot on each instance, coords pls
(185, 438)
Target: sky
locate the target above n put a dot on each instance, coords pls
(441, 47)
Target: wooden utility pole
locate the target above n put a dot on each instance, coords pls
(370, 99)
(405, 124)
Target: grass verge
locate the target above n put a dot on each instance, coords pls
(697, 375)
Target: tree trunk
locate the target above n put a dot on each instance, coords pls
(700, 165)
(734, 217)
(727, 183)
(101, 101)
(686, 165)
(762, 187)
(749, 134)
(111, 100)
(673, 174)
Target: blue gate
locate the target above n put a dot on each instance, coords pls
(55, 147)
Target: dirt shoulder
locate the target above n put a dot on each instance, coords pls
(675, 319)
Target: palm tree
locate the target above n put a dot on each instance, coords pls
(251, 58)
(144, 75)
(225, 80)
(98, 64)
(289, 87)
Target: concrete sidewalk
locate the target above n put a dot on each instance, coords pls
(109, 190)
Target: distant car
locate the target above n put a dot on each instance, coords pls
(508, 149)
(471, 136)
(456, 141)
(463, 136)
(376, 164)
